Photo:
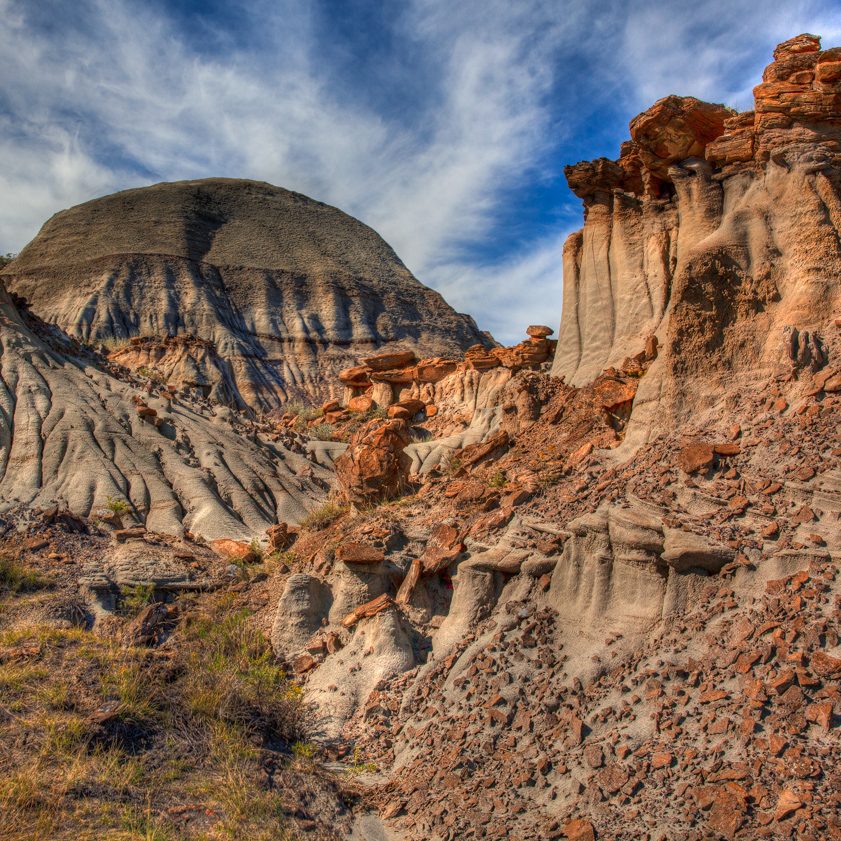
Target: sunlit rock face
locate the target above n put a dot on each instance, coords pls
(289, 290)
(73, 435)
(715, 231)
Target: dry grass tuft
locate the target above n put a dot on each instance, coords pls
(199, 745)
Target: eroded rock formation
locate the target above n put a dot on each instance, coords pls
(73, 434)
(288, 289)
(717, 232)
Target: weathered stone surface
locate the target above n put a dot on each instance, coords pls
(695, 457)
(360, 553)
(236, 549)
(190, 473)
(374, 465)
(539, 331)
(372, 608)
(387, 361)
(623, 269)
(279, 537)
(442, 548)
(676, 128)
(361, 403)
(285, 287)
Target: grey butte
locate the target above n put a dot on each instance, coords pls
(718, 232)
(290, 290)
(72, 435)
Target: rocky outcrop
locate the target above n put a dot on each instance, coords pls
(718, 233)
(288, 289)
(374, 466)
(182, 363)
(72, 434)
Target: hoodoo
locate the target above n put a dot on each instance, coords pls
(718, 232)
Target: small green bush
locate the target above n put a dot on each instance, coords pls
(151, 374)
(134, 599)
(376, 412)
(452, 464)
(117, 506)
(498, 480)
(305, 749)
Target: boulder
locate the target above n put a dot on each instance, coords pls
(539, 331)
(442, 548)
(696, 457)
(374, 465)
(356, 377)
(676, 128)
(279, 537)
(235, 549)
(389, 361)
(361, 403)
(365, 611)
(360, 553)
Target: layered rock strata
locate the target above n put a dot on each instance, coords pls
(718, 233)
(288, 289)
(74, 435)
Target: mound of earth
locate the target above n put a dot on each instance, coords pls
(288, 289)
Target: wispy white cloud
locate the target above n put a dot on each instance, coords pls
(116, 94)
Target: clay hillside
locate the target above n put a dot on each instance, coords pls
(584, 588)
(286, 290)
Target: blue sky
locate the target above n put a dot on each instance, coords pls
(443, 124)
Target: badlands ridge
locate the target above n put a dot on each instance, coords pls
(583, 588)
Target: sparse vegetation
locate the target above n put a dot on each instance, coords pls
(15, 578)
(117, 506)
(498, 480)
(133, 599)
(201, 732)
(323, 516)
(452, 464)
(303, 415)
(305, 749)
(322, 432)
(274, 560)
(111, 345)
(360, 766)
(5, 259)
(151, 374)
(376, 412)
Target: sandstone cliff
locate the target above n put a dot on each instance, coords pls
(288, 289)
(718, 233)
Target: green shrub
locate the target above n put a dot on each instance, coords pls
(118, 506)
(133, 599)
(498, 480)
(376, 412)
(452, 464)
(151, 374)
